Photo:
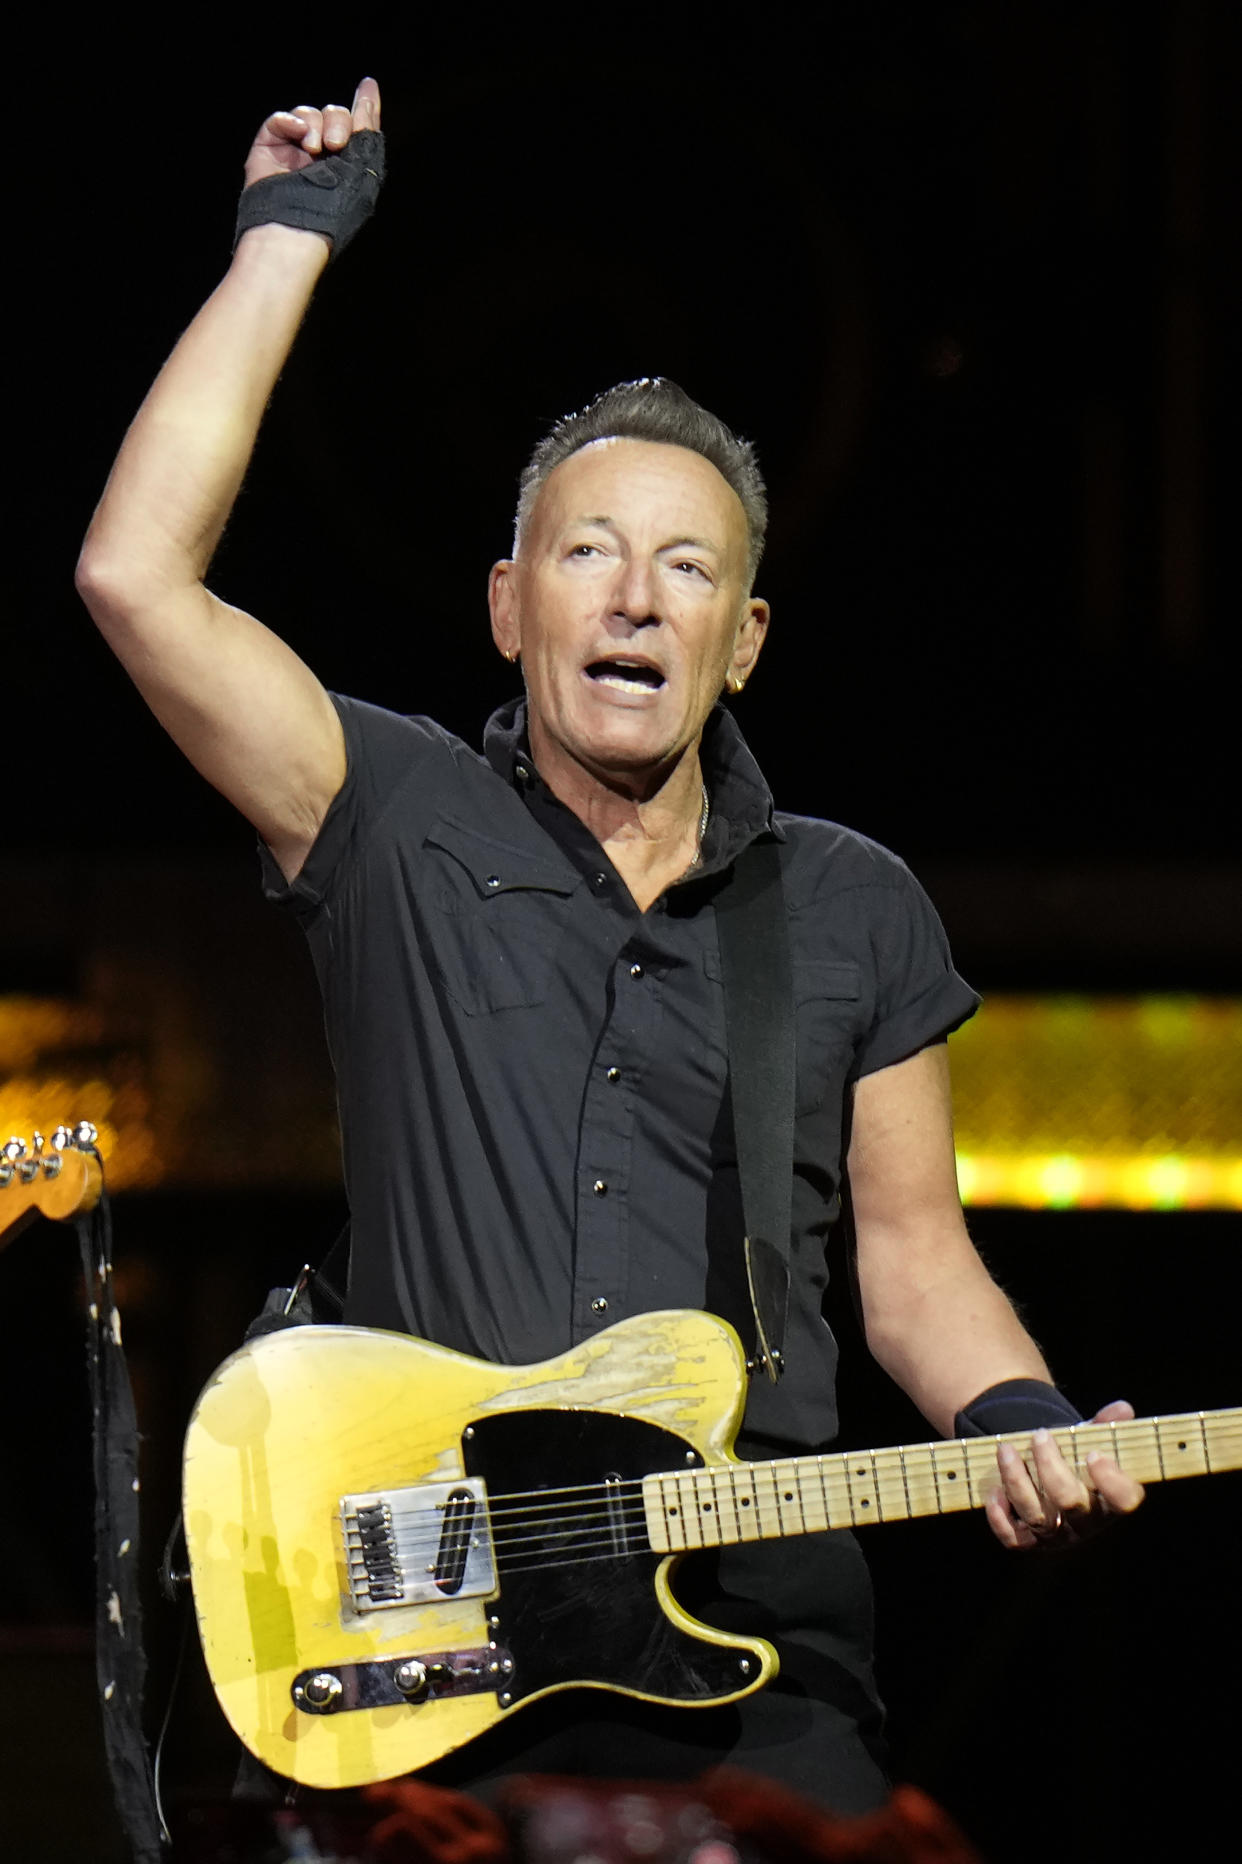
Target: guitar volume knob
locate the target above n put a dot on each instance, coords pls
(321, 1693)
(411, 1679)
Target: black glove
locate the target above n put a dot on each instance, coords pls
(333, 196)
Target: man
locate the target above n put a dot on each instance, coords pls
(521, 971)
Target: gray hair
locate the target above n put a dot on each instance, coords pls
(652, 408)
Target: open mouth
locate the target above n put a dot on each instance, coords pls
(625, 676)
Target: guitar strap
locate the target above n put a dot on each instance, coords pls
(120, 1660)
(755, 962)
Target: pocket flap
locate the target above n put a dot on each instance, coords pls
(497, 866)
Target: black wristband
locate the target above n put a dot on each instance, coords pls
(1015, 1404)
(333, 196)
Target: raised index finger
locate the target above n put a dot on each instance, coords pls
(366, 110)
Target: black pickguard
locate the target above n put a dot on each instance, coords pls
(598, 1619)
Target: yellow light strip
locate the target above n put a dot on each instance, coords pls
(1062, 1181)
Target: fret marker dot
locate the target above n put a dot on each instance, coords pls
(953, 1475)
(866, 1502)
(746, 1501)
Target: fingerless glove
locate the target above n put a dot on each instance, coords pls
(333, 196)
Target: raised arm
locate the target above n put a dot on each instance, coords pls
(247, 712)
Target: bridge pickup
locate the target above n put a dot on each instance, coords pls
(414, 1546)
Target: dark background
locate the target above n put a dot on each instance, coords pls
(959, 270)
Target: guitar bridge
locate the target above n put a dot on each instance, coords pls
(418, 1545)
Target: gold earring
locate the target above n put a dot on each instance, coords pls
(735, 683)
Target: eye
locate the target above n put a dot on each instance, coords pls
(692, 569)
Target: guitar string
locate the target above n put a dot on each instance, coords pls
(614, 1510)
(892, 1458)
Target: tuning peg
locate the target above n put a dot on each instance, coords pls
(36, 1144)
(62, 1139)
(85, 1134)
(13, 1149)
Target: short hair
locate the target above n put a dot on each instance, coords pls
(653, 408)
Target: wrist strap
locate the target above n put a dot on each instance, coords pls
(334, 196)
(1015, 1404)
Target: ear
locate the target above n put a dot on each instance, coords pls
(751, 634)
(502, 602)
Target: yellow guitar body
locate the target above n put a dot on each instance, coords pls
(304, 1417)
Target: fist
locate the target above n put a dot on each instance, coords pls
(293, 139)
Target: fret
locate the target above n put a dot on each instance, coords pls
(952, 1482)
(744, 1500)
(812, 1495)
(892, 1498)
(905, 1483)
(860, 1487)
(920, 1479)
(769, 1507)
(1183, 1446)
(835, 1483)
(1222, 1432)
(789, 1489)
(713, 1505)
(662, 1500)
(982, 1472)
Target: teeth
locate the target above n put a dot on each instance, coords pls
(624, 684)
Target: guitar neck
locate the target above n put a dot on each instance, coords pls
(722, 1504)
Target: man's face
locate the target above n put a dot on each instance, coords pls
(628, 606)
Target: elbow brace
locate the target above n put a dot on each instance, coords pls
(333, 196)
(1015, 1404)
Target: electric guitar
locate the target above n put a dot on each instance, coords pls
(393, 1547)
(60, 1183)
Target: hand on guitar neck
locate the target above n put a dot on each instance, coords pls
(1046, 1503)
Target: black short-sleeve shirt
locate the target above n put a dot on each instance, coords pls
(532, 1074)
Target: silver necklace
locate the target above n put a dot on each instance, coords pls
(704, 813)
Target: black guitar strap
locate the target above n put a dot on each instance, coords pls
(759, 1020)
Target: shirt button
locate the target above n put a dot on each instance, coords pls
(599, 1305)
(614, 1074)
(600, 1188)
(523, 774)
(599, 881)
(493, 880)
(636, 970)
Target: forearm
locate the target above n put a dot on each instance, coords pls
(182, 462)
(948, 1339)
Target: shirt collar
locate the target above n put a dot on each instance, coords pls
(741, 802)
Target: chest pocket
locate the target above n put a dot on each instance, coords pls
(827, 996)
(498, 917)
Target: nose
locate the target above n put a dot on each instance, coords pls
(634, 593)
